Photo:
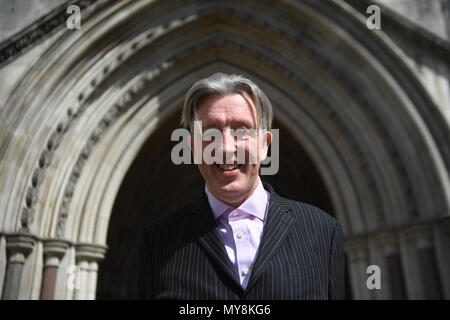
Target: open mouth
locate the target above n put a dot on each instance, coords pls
(228, 167)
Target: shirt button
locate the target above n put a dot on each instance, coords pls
(234, 213)
(246, 271)
(240, 234)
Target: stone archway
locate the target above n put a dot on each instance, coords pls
(79, 118)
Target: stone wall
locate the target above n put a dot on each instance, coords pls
(432, 15)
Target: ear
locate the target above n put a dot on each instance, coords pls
(268, 138)
(265, 145)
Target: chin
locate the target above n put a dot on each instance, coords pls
(234, 191)
(229, 188)
(232, 188)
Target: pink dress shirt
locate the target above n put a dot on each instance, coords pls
(241, 228)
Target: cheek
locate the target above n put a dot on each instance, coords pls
(207, 172)
(253, 154)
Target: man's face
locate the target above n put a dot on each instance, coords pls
(226, 113)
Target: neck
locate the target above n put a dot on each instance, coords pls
(235, 203)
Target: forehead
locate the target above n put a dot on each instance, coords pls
(228, 109)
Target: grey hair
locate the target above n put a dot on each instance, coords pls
(220, 84)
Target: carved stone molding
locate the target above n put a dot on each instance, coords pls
(397, 24)
(74, 111)
(111, 115)
(41, 29)
(39, 172)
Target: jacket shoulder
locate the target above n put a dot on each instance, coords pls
(310, 222)
(303, 213)
(169, 223)
(308, 214)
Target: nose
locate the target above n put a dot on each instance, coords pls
(229, 147)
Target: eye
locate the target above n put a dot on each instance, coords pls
(243, 133)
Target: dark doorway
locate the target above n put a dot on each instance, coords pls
(154, 186)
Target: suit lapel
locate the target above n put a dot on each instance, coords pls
(275, 230)
(207, 235)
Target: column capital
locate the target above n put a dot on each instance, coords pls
(90, 252)
(421, 235)
(357, 248)
(388, 242)
(55, 248)
(20, 243)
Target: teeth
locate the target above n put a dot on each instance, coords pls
(228, 167)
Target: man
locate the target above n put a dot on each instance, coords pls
(241, 240)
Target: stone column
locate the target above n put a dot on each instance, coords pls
(88, 256)
(422, 238)
(394, 275)
(442, 232)
(358, 252)
(2, 262)
(18, 247)
(54, 250)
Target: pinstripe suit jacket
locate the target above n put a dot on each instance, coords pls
(301, 256)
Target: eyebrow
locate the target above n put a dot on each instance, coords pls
(234, 123)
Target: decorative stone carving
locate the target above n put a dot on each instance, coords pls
(37, 31)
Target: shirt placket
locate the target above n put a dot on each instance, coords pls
(241, 236)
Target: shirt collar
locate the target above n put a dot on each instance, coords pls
(255, 205)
